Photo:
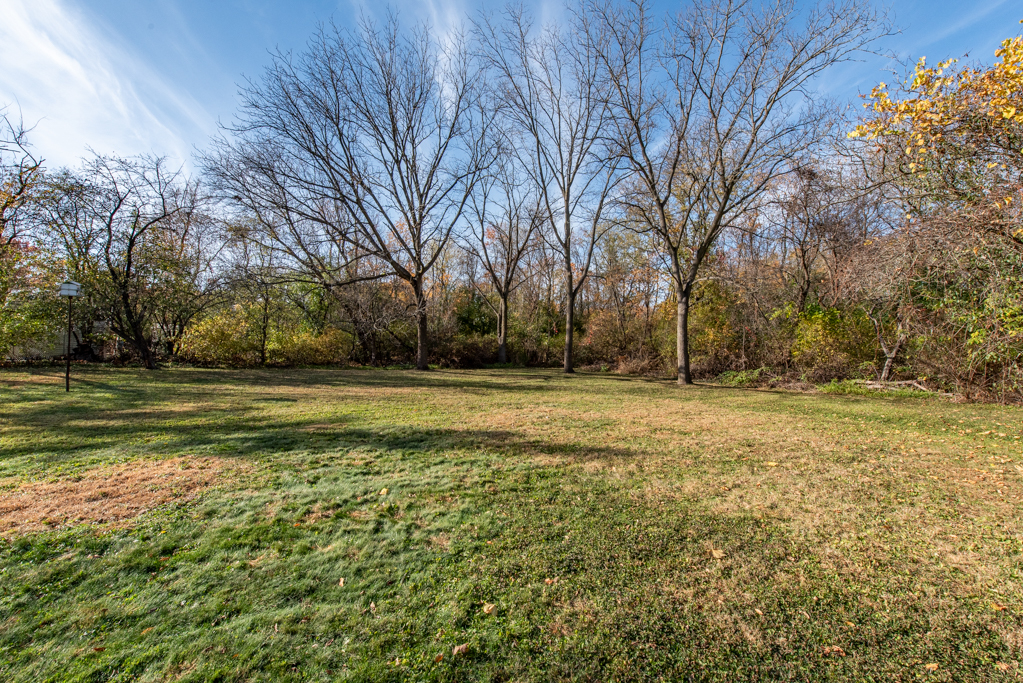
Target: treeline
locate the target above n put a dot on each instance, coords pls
(622, 191)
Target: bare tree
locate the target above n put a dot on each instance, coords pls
(21, 174)
(816, 216)
(190, 248)
(711, 107)
(370, 139)
(255, 275)
(879, 275)
(507, 217)
(555, 98)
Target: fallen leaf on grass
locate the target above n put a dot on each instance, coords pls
(834, 650)
(383, 492)
(439, 658)
(998, 608)
(98, 649)
(717, 554)
(146, 630)
(460, 649)
(488, 608)
(550, 581)
(931, 667)
(771, 464)
(1003, 666)
(373, 607)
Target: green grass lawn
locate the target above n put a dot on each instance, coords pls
(588, 527)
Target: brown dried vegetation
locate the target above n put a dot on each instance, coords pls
(105, 495)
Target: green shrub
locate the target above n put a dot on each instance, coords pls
(831, 343)
(852, 388)
(474, 315)
(743, 378)
(227, 338)
(303, 347)
(222, 338)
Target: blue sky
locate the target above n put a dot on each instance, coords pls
(155, 76)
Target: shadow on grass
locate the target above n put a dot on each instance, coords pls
(149, 421)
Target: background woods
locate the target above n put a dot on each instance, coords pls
(623, 190)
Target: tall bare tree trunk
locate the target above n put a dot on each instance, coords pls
(705, 153)
(502, 330)
(685, 376)
(569, 332)
(569, 316)
(422, 343)
(264, 328)
(133, 330)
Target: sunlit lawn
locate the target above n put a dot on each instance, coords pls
(197, 525)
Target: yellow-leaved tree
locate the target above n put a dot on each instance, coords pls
(955, 134)
(948, 143)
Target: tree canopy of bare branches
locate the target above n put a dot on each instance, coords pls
(554, 97)
(367, 145)
(21, 175)
(507, 217)
(710, 107)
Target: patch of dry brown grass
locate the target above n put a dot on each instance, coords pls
(106, 495)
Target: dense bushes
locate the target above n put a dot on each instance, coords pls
(227, 338)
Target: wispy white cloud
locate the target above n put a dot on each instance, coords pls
(81, 88)
(446, 17)
(971, 16)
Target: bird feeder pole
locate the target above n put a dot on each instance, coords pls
(69, 289)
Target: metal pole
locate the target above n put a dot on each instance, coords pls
(67, 372)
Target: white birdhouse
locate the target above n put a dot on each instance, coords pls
(70, 288)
